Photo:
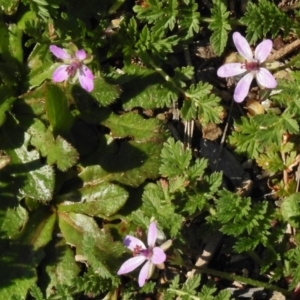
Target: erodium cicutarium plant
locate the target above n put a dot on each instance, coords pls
(252, 66)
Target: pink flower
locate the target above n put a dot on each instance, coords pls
(253, 67)
(73, 68)
(153, 255)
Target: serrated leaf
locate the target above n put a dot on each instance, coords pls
(202, 104)
(290, 209)
(103, 253)
(271, 161)
(175, 159)
(156, 202)
(265, 17)
(102, 200)
(133, 125)
(31, 177)
(244, 138)
(74, 227)
(63, 154)
(57, 150)
(12, 218)
(219, 25)
(105, 93)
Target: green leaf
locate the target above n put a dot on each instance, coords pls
(11, 218)
(6, 101)
(102, 253)
(127, 162)
(59, 266)
(103, 200)
(263, 18)
(31, 177)
(40, 63)
(244, 138)
(175, 159)
(290, 209)
(146, 88)
(38, 231)
(189, 19)
(105, 93)
(36, 293)
(11, 42)
(156, 202)
(20, 258)
(133, 125)
(202, 104)
(74, 227)
(219, 25)
(57, 109)
(9, 6)
(57, 150)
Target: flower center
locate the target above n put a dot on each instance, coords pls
(138, 250)
(251, 66)
(72, 68)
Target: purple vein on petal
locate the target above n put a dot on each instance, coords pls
(131, 264)
(265, 78)
(242, 46)
(242, 88)
(263, 50)
(231, 69)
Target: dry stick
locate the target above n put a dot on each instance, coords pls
(188, 125)
(285, 50)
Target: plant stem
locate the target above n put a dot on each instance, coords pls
(244, 280)
(231, 21)
(289, 64)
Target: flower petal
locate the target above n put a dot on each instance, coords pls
(143, 276)
(86, 78)
(80, 54)
(131, 242)
(131, 264)
(60, 74)
(242, 88)
(158, 256)
(242, 46)
(152, 234)
(265, 78)
(59, 52)
(231, 69)
(263, 50)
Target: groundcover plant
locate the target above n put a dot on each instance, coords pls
(149, 149)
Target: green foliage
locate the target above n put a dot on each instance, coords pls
(265, 18)
(240, 218)
(167, 14)
(34, 179)
(102, 200)
(188, 291)
(79, 170)
(201, 104)
(220, 26)
(292, 266)
(290, 210)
